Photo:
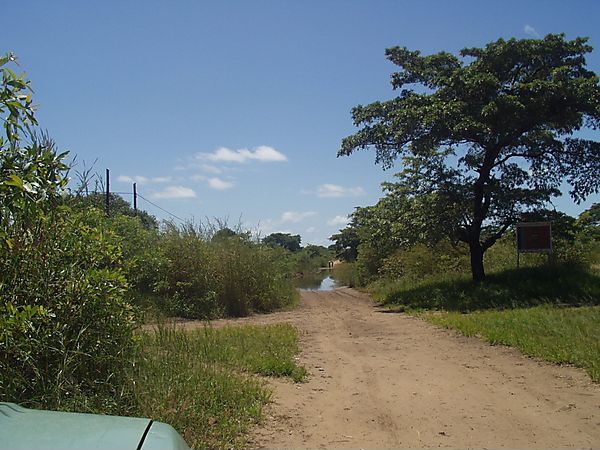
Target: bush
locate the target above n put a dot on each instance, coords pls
(346, 274)
(67, 330)
(205, 278)
(142, 260)
(422, 261)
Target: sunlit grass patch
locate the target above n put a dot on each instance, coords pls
(267, 350)
(200, 381)
(557, 334)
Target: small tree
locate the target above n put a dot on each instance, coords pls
(489, 136)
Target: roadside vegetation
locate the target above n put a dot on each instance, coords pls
(201, 382)
(442, 236)
(555, 333)
(548, 307)
(76, 284)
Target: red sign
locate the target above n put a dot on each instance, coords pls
(534, 237)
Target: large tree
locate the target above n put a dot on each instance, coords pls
(489, 133)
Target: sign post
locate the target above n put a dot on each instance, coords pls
(534, 237)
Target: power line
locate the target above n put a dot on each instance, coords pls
(135, 194)
(162, 209)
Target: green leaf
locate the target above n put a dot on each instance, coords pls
(14, 180)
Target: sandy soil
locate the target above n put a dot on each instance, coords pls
(388, 380)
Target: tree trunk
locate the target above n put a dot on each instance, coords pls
(477, 270)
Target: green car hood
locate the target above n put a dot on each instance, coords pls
(22, 428)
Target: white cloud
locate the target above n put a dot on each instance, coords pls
(214, 182)
(220, 185)
(139, 179)
(338, 220)
(311, 229)
(335, 191)
(210, 169)
(295, 217)
(268, 154)
(262, 153)
(174, 192)
(529, 30)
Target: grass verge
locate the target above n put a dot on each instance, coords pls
(515, 288)
(557, 334)
(200, 381)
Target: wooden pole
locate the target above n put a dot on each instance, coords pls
(135, 198)
(107, 191)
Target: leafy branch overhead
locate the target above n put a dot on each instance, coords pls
(491, 132)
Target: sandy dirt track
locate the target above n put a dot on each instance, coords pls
(388, 380)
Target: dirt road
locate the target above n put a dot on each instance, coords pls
(388, 380)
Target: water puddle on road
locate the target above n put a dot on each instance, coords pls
(316, 282)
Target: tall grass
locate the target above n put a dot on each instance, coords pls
(200, 381)
(347, 274)
(557, 334)
(203, 277)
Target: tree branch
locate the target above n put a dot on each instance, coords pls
(494, 237)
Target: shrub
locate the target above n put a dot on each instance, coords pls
(68, 331)
(206, 278)
(346, 274)
(65, 328)
(422, 261)
(142, 259)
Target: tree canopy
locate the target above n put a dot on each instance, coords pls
(118, 206)
(285, 240)
(486, 135)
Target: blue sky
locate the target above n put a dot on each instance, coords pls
(236, 109)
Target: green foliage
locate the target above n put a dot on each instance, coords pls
(15, 99)
(207, 278)
(284, 240)
(346, 274)
(589, 234)
(557, 334)
(142, 262)
(385, 235)
(557, 284)
(31, 172)
(198, 381)
(265, 350)
(117, 207)
(346, 244)
(484, 138)
(590, 218)
(66, 331)
(420, 261)
(311, 258)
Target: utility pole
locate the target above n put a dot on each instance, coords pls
(107, 192)
(135, 198)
